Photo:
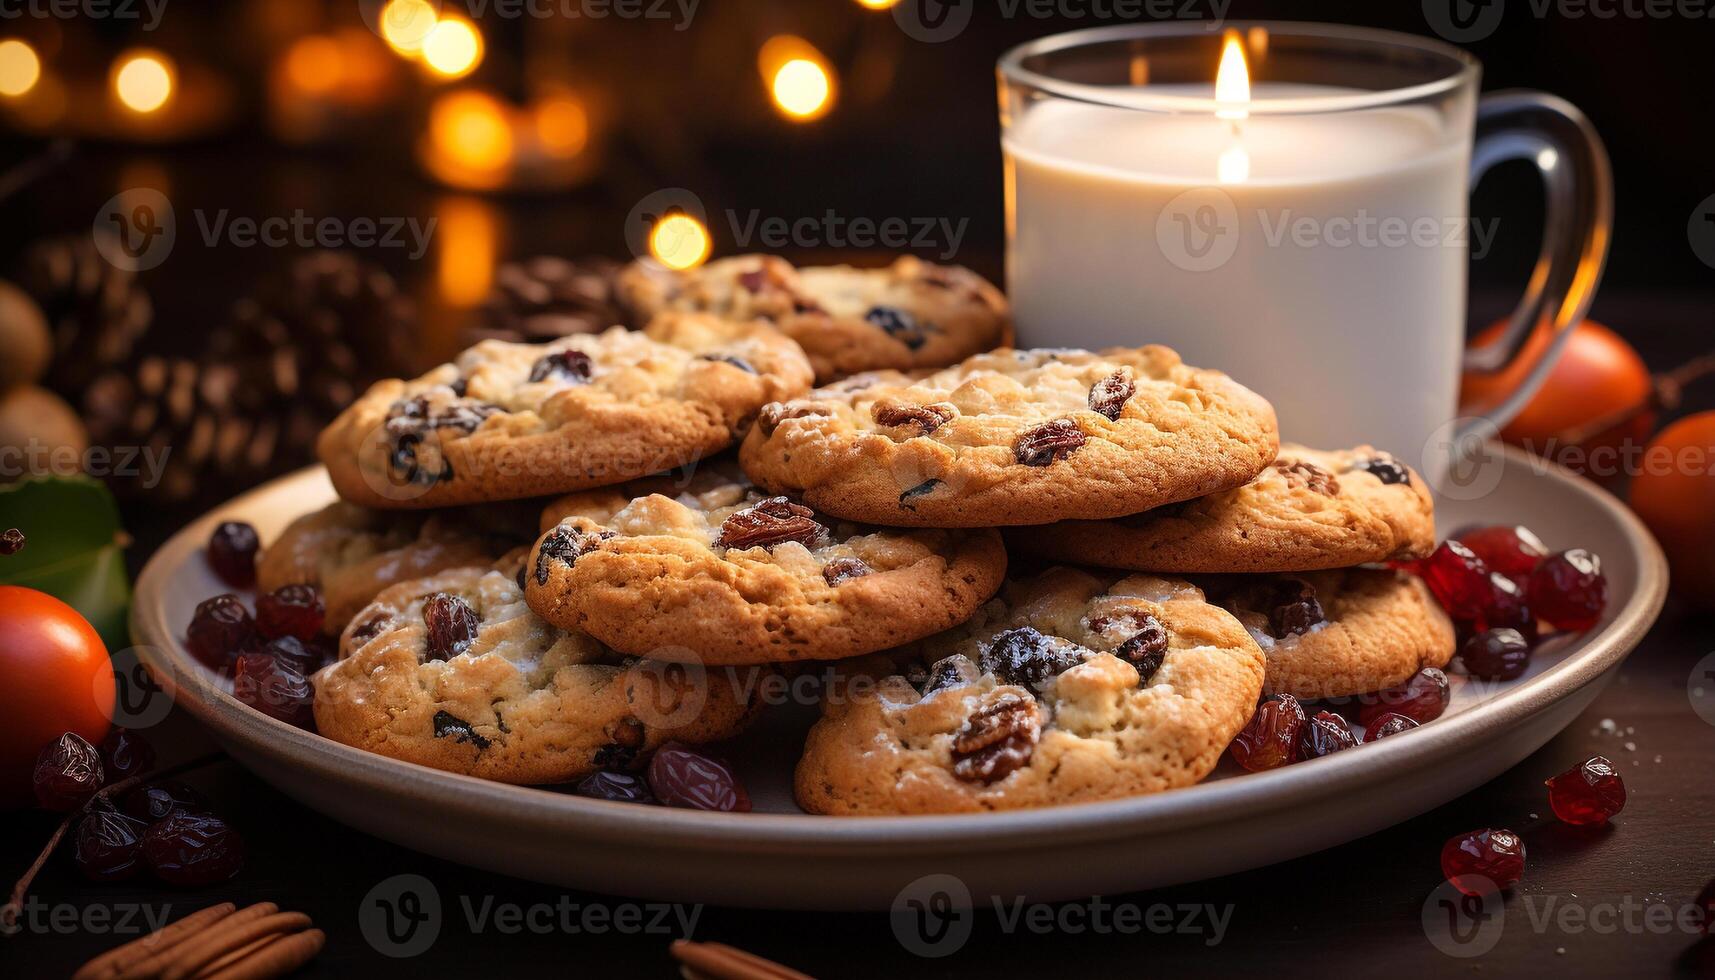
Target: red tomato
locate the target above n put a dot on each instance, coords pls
(1674, 493)
(56, 678)
(1598, 376)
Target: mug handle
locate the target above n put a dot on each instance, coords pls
(1579, 214)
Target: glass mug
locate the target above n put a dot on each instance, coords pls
(1310, 237)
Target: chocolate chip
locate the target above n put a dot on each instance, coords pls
(899, 325)
(1386, 469)
(567, 365)
(912, 493)
(737, 362)
(1025, 657)
(447, 725)
(566, 544)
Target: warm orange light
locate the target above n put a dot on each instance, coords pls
(1233, 80)
(799, 80)
(562, 126)
(470, 131)
(679, 241)
(407, 24)
(143, 80)
(453, 48)
(315, 64)
(468, 234)
(20, 69)
(878, 4)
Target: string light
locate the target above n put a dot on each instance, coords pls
(20, 69)
(315, 64)
(470, 139)
(799, 79)
(143, 80)
(878, 4)
(453, 48)
(679, 241)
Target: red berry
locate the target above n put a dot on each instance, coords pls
(192, 849)
(306, 657)
(621, 787)
(124, 753)
(219, 629)
(680, 777)
(1506, 608)
(1422, 698)
(1385, 725)
(68, 771)
(291, 610)
(1483, 862)
(1706, 902)
(1588, 793)
(232, 553)
(274, 686)
(1495, 655)
(1511, 550)
(108, 845)
(1568, 590)
(1324, 734)
(1270, 740)
(1459, 579)
(157, 801)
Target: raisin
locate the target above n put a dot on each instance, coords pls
(566, 544)
(626, 739)
(753, 280)
(1270, 739)
(448, 725)
(1145, 649)
(682, 777)
(124, 753)
(451, 623)
(841, 570)
(1025, 657)
(219, 628)
(1386, 469)
(1109, 395)
(109, 845)
(733, 360)
(620, 787)
(464, 417)
(774, 413)
(572, 366)
(1422, 697)
(274, 686)
(1325, 734)
(899, 325)
(912, 493)
(291, 610)
(193, 849)
(158, 801)
(12, 541)
(953, 671)
(1294, 609)
(927, 418)
(768, 523)
(1301, 474)
(232, 553)
(370, 628)
(68, 771)
(996, 740)
(1048, 442)
(1496, 655)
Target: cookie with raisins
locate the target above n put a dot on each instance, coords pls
(910, 314)
(1307, 510)
(1068, 688)
(709, 569)
(455, 672)
(505, 421)
(1338, 632)
(1015, 437)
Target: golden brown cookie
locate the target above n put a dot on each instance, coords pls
(911, 314)
(453, 671)
(1308, 510)
(350, 553)
(710, 570)
(505, 421)
(1069, 688)
(1015, 437)
(1340, 632)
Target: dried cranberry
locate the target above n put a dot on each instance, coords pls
(1422, 698)
(1496, 655)
(306, 657)
(1387, 724)
(1568, 590)
(1270, 740)
(1325, 734)
(1025, 657)
(158, 801)
(219, 628)
(124, 753)
(68, 771)
(1506, 608)
(193, 849)
(1109, 395)
(997, 740)
(108, 845)
(1589, 793)
(451, 626)
(1511, 550)
(1459, 579)
(681, 777)
(291, 610)
(274, 686)
(232, 553)
(1294, 609)
(1483, 862)
(1705, 901)
(621, 787)
(11, 541)
(1047, 443)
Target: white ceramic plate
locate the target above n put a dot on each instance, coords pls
(780, 857)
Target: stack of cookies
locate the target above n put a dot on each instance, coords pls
(548, 561)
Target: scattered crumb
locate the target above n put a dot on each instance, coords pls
(1631, 746)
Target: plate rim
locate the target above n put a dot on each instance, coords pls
(1243, 798)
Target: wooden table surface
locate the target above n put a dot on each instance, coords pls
(1592, 903)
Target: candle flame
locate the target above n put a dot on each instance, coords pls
(1233, 81)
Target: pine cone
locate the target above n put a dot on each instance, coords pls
(543, 298)
(95, 310)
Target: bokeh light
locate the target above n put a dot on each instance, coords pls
(20, 69)
(407, 24)
(453, 48)
(143, 80)
(679, 241)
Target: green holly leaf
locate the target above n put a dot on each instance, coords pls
(73, 549)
